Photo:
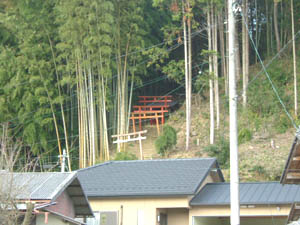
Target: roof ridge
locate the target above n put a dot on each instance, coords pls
(159, 160)
(205, 176)
(143, 161)
(94, 166)
(62, 185)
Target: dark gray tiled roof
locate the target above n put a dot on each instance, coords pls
(250, 193)
(145, 178)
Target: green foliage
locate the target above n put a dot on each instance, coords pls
(121, 156)
(220, 150)
(175, 70)
(283, 124)
(166, 140)
(259, 171)
(244, 135)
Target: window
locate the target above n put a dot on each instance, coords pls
(104, 218)
(163, 219)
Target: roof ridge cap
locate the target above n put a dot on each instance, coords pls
(97, 165)
(158, 160)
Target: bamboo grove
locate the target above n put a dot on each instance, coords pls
(71, 70)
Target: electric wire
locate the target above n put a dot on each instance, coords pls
(268, 76)
(143, 62)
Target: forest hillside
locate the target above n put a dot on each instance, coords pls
(71, 72)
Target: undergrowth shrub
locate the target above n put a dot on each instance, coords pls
(220, 150)
(260, 171)
(244, 135)
(166, 140)
(125, 156)
(283, 124)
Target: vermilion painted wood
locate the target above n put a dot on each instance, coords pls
(155, 99)
(146, 115)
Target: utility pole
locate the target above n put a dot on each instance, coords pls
(234, 159)
(63, 161)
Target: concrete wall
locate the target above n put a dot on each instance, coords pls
(64, 205)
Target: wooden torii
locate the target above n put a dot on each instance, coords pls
(152, 108)
(154, 114)
(136, 136)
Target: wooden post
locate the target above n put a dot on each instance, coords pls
(141, 147)
(140, 120)
(157, 123)
(133, 125)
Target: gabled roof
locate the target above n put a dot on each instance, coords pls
(250, 194)
(46, 187)
(146, 177)
(291, 172)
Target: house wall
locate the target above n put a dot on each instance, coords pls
(175, 207)
(149, 207)
(64, 206)
(224, 211)
(52, 220)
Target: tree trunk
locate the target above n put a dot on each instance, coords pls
(294, 60)
(211, 86)
(216, 69)
(237, 55)
(189, 25)
(222, 48)
(187, 98)
(278, 45)
(245, 52)
(268, 29)
(256, 29)
(28, 214)
(227, 52)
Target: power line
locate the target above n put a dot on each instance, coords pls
(268, 76)
(168, 50)
(98, 133)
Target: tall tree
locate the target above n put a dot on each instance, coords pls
(276, 30)
(245, 51)
(216, 65)
(211, 84)
(294, 60)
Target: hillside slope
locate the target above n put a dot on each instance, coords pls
(261, 158)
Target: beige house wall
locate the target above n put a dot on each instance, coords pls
(149, 207)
